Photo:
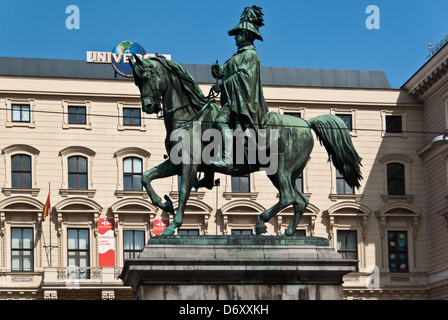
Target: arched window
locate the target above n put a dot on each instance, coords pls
(131, 163)
(240, 215)
(77, 173)
(21, 171)
(132, 173)
(399, 223)
(396, 179)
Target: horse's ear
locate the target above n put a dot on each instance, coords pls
(131, 63)
(138, 59)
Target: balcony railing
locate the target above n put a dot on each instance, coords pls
(82, 274)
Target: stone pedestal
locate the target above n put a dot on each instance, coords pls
(237, 268)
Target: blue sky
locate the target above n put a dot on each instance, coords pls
(328, 34)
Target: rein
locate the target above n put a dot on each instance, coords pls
(171, 112)
(210, 98)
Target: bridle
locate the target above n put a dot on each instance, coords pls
(156, 96)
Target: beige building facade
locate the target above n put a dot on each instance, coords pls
(75, 130)
(430, 86)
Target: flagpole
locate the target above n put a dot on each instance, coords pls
(47, 211)
(49, 222)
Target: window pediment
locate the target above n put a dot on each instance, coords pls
(348, 209)
(194, 206)
(76, 150)
(132, 151)
(242, 207)
(76, 204)
(21, 203)
(401, 213)
(133, 205)
(395, 158)
(20, 148)
(399, 210)
(198, 211)
(234, 211)
(310, 210)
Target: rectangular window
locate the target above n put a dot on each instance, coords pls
(133, 243)
(342, 186)
(21, 171)
(188, 232)
(241, 232)
(347, 118)
(78, 248)
(299, 182)
(132, 173)
(131, 117)
(76, 115)
(241, 184)
(77, 173)
(294, 114)
(398, 251)
(394, 124)
(21, 113)
(348, 244)
(22, 249)
(395, 179)
(300, 233)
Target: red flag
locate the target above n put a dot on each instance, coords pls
(47, 206)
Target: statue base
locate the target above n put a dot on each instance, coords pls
(237, 268)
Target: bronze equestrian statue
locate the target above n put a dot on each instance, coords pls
(167, 87)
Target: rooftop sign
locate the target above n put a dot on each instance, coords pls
(120, 55)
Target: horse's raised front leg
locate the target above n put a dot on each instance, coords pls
(163, 170)
(188, 175)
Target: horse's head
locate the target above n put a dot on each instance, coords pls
(147, 79)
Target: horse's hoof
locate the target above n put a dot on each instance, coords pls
(168, 205)
(260, 230)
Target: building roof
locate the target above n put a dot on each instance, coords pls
(36, 67)
(429, 73)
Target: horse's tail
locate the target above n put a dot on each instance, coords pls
(332, 132)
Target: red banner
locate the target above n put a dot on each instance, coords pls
(160, 225)
(106, 242)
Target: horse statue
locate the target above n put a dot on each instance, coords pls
(167, 87)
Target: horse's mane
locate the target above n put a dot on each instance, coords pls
(187, 81)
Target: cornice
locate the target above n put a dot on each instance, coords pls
(429, 74)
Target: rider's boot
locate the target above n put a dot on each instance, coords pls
(226, 161)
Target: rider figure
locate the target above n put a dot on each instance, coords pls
(241, 87)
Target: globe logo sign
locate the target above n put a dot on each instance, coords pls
(126, 49)
(120, 55)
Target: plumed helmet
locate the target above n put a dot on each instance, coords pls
(251, 20)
